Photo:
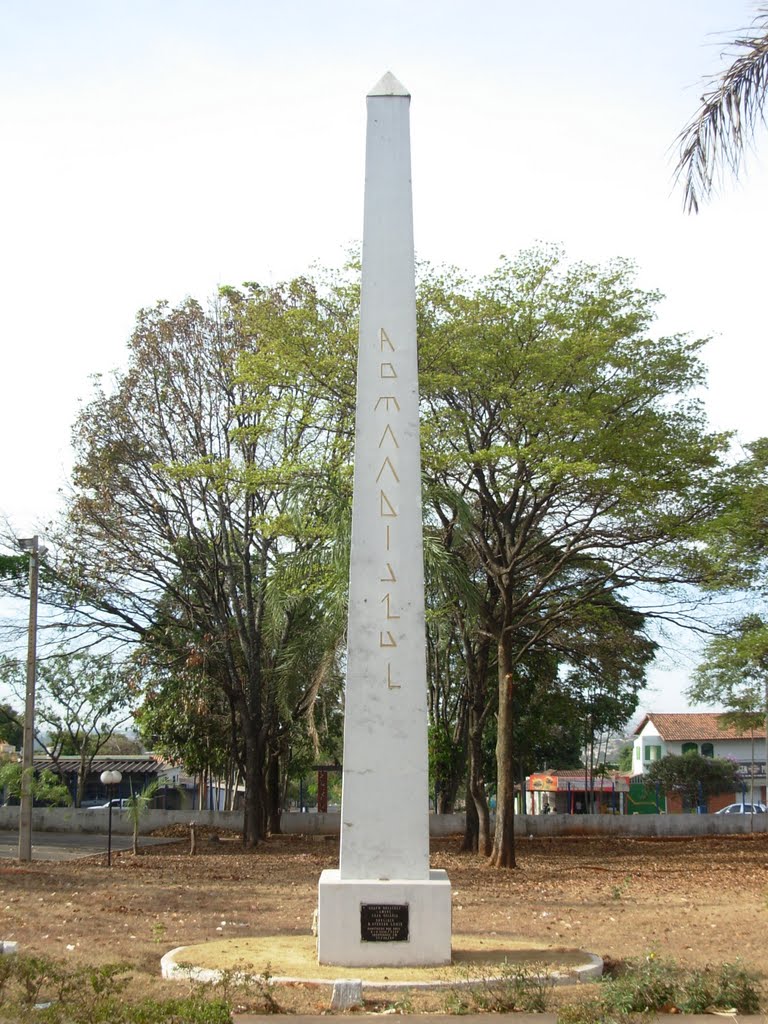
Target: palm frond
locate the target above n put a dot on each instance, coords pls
(714, 142)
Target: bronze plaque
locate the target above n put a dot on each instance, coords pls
(384, 922)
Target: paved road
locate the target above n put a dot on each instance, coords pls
(69, 845)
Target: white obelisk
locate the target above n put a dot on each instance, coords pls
(384, 906)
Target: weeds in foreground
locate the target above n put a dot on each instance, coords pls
(502, 988)
(403, 1005)
(47, 991)
(619, 890)
(658, 984)
(240, 988)
(591, 1011)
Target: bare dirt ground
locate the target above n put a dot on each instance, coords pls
(701, 900)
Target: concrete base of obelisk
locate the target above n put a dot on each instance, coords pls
(375, 923)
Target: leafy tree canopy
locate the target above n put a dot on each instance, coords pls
(11, 727)
(47, 787)
(692, 775)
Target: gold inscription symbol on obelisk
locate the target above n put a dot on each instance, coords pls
(388, 430)
(386, 399)
(389, 641)
(386, 508)
(387, 464)
(390, 684)
(391, 578)
(388, 601)
(384, 341)
(387, 371)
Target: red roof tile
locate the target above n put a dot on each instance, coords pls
(703, 725)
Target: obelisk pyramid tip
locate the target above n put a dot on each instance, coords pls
(389, 86)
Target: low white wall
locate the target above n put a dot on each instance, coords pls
(640, 824)
(68, 819)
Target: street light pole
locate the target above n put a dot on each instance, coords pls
(110, 779)
(27, 764)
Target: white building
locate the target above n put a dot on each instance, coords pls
(705, 733)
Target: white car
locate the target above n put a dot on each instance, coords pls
(742, 809)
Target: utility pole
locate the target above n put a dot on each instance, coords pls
(27, 765)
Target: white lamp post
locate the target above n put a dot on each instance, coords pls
(110, 779)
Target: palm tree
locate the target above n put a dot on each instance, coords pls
(714, 141)
(136, 808)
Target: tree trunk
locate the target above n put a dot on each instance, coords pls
(273, 792)
(503, 853)
(469, 843)
(253, 816)
(476, 784)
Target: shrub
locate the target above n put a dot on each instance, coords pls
(654, 983)
(502, 988)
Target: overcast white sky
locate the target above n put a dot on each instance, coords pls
(153, 149)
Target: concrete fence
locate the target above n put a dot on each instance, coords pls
(69, 819)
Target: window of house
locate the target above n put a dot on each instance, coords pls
(687, 747)
(638, 752)
(707, 750)
(652, 753)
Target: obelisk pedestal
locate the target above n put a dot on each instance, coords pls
(384, 906)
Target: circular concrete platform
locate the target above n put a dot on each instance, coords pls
(292, 959)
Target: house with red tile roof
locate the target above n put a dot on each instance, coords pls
(707, 734)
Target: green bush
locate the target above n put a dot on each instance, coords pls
(47, 991)
(654, 983)
(591, 1011)
(502, 988)
(190, 1010)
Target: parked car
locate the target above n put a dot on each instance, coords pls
(117, 805)
(742, 809)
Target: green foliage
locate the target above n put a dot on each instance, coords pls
(734, 673)
(619, 890)
(566, 460)
(625, 758)
(502, 988)
(47, 787)
(14, 567)
(654, 983)
(11, 727)
(48, 991)
(184, 716)
(446, 757)
(195, 1009)
(692, 775)
(137, 806)
(239, 985)
(81, 700)
(211, 487)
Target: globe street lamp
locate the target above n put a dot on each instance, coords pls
(31, 545)
(110, 779)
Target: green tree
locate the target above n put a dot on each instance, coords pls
(47, 787)
(137, 807)
(716, 139)
(202, 477)
(734, 674)
(693, 776)
(82, 699)
(625, 758)
(565, 461)
(563, 440)
(11, 726)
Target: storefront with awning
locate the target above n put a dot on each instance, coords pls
(576, 792)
